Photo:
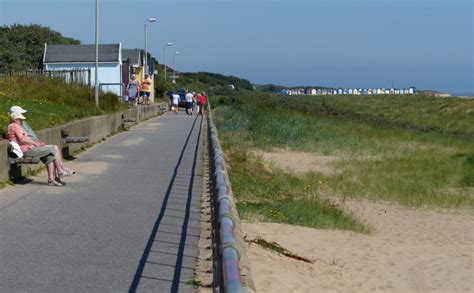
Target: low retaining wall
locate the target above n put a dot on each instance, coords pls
(96, 128)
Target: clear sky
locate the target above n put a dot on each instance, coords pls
(341, 43)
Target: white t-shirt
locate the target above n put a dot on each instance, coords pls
(189, 97)
(175, 99)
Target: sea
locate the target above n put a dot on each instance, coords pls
(470, 95)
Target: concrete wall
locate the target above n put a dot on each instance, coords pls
(96, 128)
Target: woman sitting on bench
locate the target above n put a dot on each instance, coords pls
(33, 149)
(34, 137)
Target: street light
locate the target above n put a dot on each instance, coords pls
(150, 19)
(164, 57)
(96, 53)
(174, 69)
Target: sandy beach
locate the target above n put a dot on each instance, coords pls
(410, 250)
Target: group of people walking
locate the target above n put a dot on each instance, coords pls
(25, 143)
(192, 102)
(136, 89)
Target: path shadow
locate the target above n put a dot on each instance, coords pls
(181, 244)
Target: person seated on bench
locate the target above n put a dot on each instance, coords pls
(65, 171)
(33, 149)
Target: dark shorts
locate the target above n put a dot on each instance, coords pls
(189, 105)
(146, 94)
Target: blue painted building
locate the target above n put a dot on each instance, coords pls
(76, 57)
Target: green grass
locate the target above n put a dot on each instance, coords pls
(304, 212)
(424, 113)
(51, 102)
(275, 196)
(195, 283)
(385, 150)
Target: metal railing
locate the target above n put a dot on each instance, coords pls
(231, 270)
(107, 86)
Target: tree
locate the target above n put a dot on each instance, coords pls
(21, 46)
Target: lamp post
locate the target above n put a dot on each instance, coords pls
(164, 58)
(174, 69)
(96, 53)
(150, 19)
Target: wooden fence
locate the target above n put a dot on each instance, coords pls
(76, 76)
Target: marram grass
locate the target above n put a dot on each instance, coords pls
(416, 151)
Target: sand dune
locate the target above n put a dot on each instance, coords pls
(412, 250)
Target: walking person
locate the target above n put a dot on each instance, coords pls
(189, 103)
(197, 101)
(175, 106)
(133, 88)
(30, 149)
(202, 102)
(146, 88)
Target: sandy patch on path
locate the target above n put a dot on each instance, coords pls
(86, 169)
(113, 156)
(412, 250)
(149, 127)
(132, 141)
(299, 162)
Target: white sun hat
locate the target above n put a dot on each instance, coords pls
(17, 109)
(16, 115)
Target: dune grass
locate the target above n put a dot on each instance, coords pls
(275, 196)
(51, 102)
(390, 155)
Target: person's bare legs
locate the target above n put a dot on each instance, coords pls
(58, 173)
(53, 180)
(51, 171)
(59, 159)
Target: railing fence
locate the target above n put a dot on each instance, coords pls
(231, 267)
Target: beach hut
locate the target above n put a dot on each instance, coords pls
(75, 57)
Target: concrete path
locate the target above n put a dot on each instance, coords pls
(128, 221)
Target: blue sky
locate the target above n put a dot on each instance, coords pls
(340, 43)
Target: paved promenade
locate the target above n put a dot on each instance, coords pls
(128, 221)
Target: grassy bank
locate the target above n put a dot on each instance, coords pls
(51, 102)
(415, 152)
